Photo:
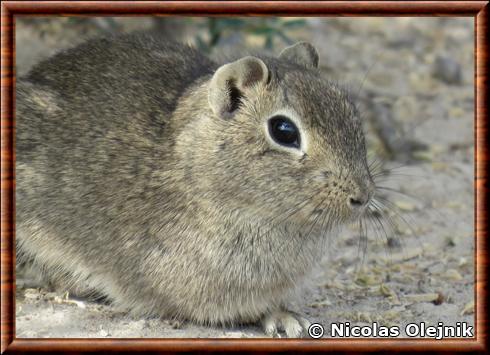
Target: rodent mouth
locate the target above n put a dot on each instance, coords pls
(356, 215)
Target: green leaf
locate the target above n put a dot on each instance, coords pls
(268, 42)
(262, 31)
(201, 44)
(294, 23)
(285, 38)
(225, 23)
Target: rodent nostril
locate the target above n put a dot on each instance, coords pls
(354, 202)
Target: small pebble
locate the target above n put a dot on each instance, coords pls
(469, 308)
(424, 297)
(321, 304)
(448, 70)
(453, 275)
(450, 242)
(462, 262)
(393, 242)
(405, 206)
(32, 294)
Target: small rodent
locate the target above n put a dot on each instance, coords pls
(176, 187)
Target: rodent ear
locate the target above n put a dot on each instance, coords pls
(231, 81)
(302, 53)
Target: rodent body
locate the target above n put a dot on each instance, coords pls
(147, 172)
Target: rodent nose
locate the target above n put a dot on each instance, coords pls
(358, 201)
(360, 197)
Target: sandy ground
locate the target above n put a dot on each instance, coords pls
(420, 266)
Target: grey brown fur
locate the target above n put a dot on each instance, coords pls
(144, 173)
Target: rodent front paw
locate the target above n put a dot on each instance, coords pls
(289, 322)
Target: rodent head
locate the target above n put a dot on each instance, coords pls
(279, 141)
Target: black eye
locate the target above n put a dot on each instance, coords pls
(284, 131)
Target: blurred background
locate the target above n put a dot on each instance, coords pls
(413, 82)
(368, 55)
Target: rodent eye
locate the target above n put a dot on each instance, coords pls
(284, 131)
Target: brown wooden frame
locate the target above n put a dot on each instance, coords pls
(9, 9)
